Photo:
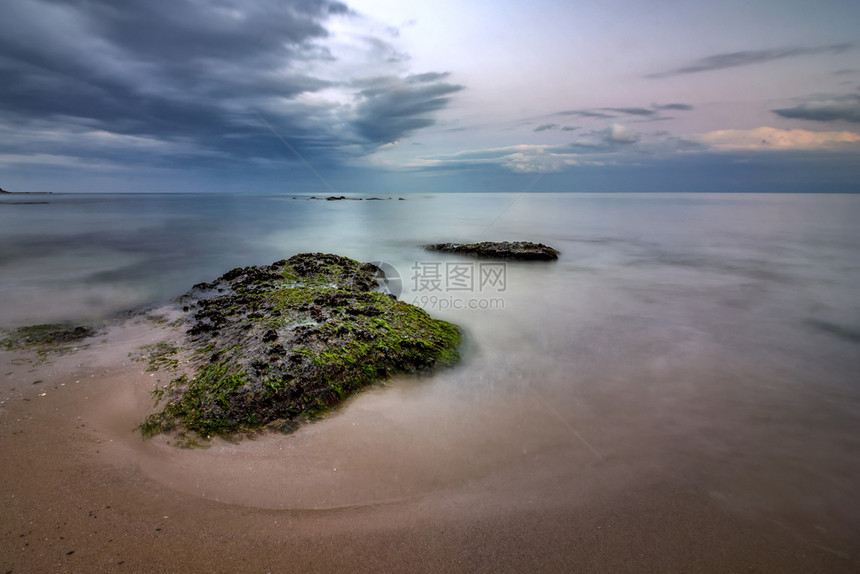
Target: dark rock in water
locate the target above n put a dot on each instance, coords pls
(25, 193)
(520, 250)
(345, 198)
(281, 343)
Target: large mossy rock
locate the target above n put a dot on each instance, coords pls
(276, 344)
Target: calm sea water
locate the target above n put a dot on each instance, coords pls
(712, 339)
(83, 257)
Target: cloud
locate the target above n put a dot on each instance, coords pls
(617, 148)
(538, 161)
(545, 127)
(427, 77)
(746, 58)
(632, 111)
(618, 134)
(584, 114)
(652, 112)
(393, 108)
(77, 142)
(385, 52)
(767, 138)
(590, 148)
(518, 159)
(674, 107)
(825, 109)
(183, 81)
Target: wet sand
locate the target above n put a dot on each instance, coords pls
(391, 483)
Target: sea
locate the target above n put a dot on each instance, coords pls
(710, 336)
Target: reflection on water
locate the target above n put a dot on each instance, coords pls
(714, 338)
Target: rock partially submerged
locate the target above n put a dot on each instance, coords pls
(345, 198)
(520, 250)
(52, 336)
(276, 344)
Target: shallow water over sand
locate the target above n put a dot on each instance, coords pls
(709, 341)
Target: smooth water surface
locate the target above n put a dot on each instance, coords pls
(714, 338)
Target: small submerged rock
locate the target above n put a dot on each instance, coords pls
(520, 250)
(276, 344)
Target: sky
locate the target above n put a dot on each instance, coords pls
(370, 96)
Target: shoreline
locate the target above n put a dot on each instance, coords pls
(82, 491)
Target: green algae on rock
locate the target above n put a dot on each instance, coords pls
(273, 345)
(46, 336)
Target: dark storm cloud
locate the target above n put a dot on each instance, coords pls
(190, 73)
(391, 108)
(746, 58)
(825, 109)
(105, 60)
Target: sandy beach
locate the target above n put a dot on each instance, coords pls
(83, 492)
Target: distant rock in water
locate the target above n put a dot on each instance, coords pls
(345, 198)
(277, 344)
(24, 192)
(520, 250)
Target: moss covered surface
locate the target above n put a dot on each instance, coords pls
(159, 356)
(277, 344)
(54, 335)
